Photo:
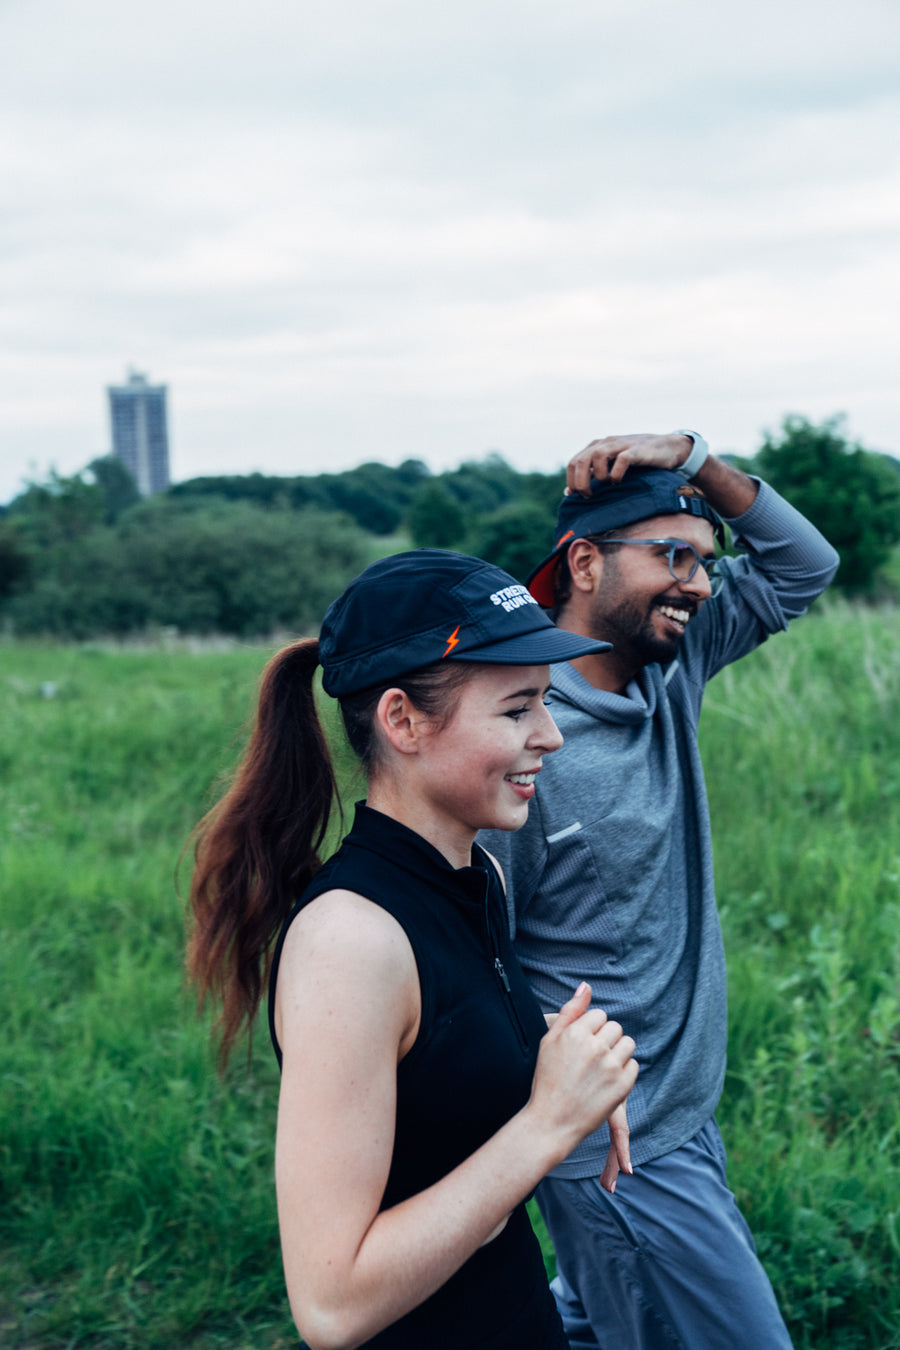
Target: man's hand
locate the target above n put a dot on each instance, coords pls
(727, 489)
(610, 457)
(619, 1156)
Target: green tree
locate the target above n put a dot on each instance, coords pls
(435, 519)
(235, 567)
(59, 511)
(362, 494)
(116, 483)
(514, 538)
(851, 494)
(375, 495)
(200, 565)
(483, 485)
(15, 560)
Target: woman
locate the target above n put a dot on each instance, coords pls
(421, 1100)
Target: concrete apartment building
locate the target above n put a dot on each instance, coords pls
(140, 435)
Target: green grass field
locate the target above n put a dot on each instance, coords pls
(136, 1200)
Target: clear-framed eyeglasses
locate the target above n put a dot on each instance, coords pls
(683, 557)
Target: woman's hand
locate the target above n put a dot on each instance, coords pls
(618, 1159)
(347, 1006)
(584, 1070)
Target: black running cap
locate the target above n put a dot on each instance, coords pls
(414, 609)
(642, 493)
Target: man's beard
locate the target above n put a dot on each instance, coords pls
(630, 628)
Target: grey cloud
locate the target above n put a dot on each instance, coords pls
(456, 227)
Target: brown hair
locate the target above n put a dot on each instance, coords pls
(432, 690)
(258, 848)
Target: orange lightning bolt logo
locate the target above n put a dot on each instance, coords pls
(451, 642)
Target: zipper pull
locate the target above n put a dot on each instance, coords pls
(498, 966)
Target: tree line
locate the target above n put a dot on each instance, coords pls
(86, 556)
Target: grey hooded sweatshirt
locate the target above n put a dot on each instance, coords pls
(611, 879)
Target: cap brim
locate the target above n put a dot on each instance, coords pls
(540, 581)
(545, 646)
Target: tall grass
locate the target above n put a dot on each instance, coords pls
(802, 749)
(136, 1198)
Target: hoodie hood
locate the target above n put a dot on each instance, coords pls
(636, 705)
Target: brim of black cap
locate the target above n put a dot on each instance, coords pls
(544, 646)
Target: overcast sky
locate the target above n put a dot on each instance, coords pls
(381, 229)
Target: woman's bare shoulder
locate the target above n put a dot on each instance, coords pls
(344, 937)
(343, 953)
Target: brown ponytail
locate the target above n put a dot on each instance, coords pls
(259, 847)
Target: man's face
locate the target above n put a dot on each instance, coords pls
(638, 606)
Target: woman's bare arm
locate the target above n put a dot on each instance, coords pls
(347, 1008)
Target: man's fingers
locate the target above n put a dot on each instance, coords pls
(592, 462)
(608, 458)
(619, 466)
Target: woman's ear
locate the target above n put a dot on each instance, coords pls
(399, 721)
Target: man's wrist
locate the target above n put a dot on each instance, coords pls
(699, 451)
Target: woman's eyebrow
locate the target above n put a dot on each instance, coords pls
(527, 693)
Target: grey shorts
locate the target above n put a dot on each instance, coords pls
(667, 1263)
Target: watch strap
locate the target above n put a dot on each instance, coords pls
(697, 458)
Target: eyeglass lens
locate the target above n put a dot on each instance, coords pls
(684, 561)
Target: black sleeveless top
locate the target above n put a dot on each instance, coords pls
(468, 1071)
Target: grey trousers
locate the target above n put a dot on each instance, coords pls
(666, 1263)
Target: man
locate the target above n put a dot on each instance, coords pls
(611, 878)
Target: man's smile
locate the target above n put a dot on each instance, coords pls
(679, 615)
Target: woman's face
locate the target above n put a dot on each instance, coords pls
(478, 769)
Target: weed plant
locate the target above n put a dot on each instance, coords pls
(136, 1197)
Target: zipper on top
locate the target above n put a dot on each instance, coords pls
(500, 972)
